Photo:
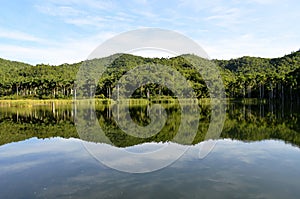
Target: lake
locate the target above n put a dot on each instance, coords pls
(42, 155)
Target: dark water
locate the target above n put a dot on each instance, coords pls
(256, 156)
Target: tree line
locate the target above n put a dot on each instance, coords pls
(245, 77)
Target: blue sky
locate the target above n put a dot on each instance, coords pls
(59, 31)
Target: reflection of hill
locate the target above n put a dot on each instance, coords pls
(246, 123)
(42, 123)
(13, 132)
(260, 130)
(263, 123)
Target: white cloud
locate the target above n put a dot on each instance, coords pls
(17, 35)
(87, 13)
(43, 148)
(59, 10)
(264, 2)
(226, 17)
(95, 4)
(142, 2)
(92, 21)
(196, 5)
(55, 52)
(248, 45)
(225, 24)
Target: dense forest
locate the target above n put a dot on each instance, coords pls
(245, 77)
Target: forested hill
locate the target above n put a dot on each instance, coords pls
(248, 77)
(287, 62)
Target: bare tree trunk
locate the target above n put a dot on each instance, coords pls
(260, 91)
(291, 93)
(244, 90)
(118, 92)
(148, 94)
(108, 92)
(249, 91)
(271, 91)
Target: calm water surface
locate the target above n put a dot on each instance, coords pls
(256, 156)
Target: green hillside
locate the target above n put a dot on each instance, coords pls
(245, 77)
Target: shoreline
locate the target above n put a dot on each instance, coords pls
(51, 102)
(69, 102)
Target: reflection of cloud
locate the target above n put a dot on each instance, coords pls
(125, 159)
(33, 152)
(35, 145)
(20, 166)
(269, 167)
(213, 177)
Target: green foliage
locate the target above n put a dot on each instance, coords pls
(245, 77)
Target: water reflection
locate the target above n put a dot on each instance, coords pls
(257, 157)
(234, 169)
(251, 122)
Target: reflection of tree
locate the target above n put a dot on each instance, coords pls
(42, 123)
(249, 122)
(139, 115)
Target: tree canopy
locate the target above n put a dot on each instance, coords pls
(245, 77)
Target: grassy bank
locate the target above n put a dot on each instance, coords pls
(33, 102)
(51, 102)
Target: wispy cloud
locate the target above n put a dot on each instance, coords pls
(264, 2)
(92, 13)
(59, 10)
(95, 4)
(225, 17)
(196, 5)
(55, 52)
(89, 20)
(17, 35)
(248, 45)
(226, 28)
